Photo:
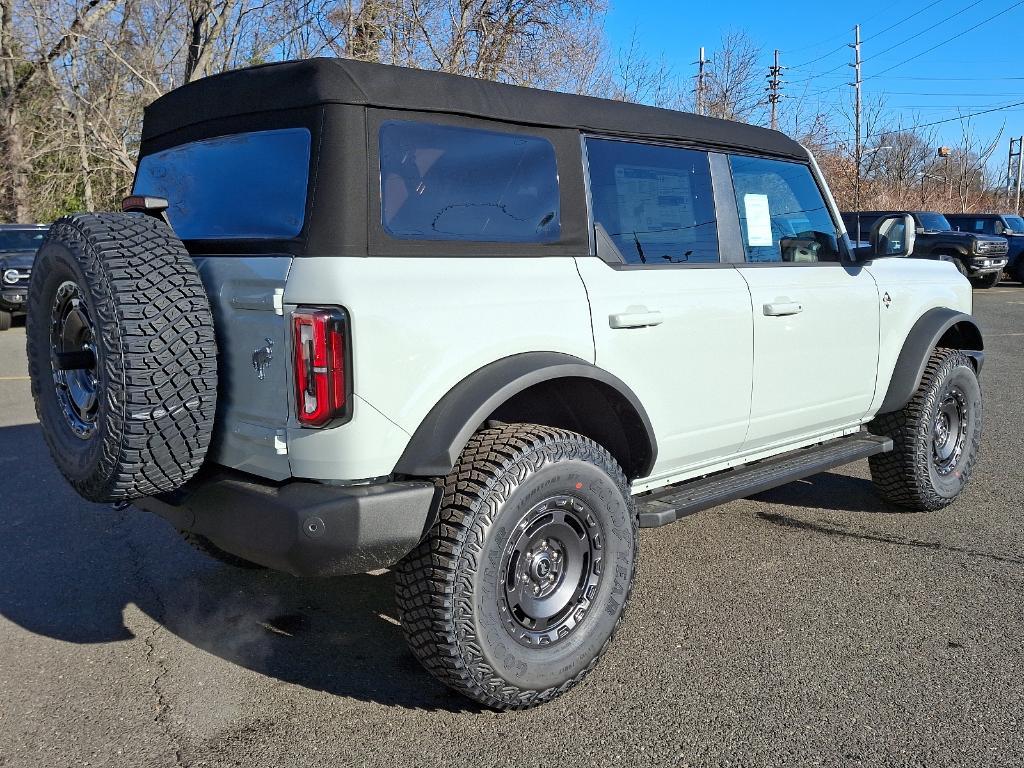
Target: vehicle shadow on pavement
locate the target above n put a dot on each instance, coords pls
(829, 490)
(68, 570)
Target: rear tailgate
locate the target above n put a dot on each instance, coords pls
(253, 400)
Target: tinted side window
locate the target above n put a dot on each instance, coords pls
(248, 185)
(782, 213)
(442, 182)
(654, 202)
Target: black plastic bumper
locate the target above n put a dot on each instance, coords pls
(13, 299)
(976, 265)
(301, 527)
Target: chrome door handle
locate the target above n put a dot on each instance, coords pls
(783, 308)
(641, 318)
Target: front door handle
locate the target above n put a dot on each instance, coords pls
(783, 308)
(639, 318)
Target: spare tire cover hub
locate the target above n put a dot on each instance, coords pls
(72, 330)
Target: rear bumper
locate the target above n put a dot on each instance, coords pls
(302, 528)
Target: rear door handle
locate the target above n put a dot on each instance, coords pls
(783, 308)
(640, 318)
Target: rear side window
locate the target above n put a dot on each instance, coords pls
(248, 185)
(441, 182)
(655, 202)
(782, 213)
(979, 226)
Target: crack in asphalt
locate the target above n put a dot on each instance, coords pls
(828, 530)
(155, 686)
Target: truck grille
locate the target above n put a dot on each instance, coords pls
(992, 247)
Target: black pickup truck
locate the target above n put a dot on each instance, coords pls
(18, 246)
(1006, 225)
(979, 257)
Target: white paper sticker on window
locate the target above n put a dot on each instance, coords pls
(759, 220)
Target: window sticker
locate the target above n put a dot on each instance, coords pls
(759, 220)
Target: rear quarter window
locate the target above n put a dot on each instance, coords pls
(441, 182)
(247, 185)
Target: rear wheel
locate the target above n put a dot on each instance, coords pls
(936, 436)
(121, 354)
(521, 582)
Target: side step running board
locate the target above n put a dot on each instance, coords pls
(666, 505)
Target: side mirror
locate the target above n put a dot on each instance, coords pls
(893, 235)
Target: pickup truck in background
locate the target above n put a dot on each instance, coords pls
(18, 246)
(1008, 225)
(979, 257)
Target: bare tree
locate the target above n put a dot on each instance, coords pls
(734, 87)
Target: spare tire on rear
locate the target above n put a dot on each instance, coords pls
(121, 354)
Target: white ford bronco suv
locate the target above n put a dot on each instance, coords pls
(356, 316)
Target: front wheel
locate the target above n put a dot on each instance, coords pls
(6, 318)
(522, 580)
(936, 436)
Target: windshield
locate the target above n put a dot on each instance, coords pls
(1016, 223)
(935, 222)
(21, 239)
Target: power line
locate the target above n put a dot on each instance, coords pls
(952, 79)
(843, 34)
(947, 93)
(896, 24)
(828, 73)
(823, 55)
(1004, 108)
(899, 44)
(922, 32)
(871, 37)
(947, 40)
(879, 34)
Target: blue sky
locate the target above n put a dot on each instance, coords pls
(962, 74)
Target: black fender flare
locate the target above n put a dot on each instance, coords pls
(917, 348)
(437, 442)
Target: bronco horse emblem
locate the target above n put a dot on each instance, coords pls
(261, 357)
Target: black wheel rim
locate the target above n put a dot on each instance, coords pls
(550, 570)
(949, 430)
(73, 359)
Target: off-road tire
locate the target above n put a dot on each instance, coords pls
(154, 375)
(987, 281)
(907, 476)
(6, 318)
(447, 588)
(210, 549)
(960, 266)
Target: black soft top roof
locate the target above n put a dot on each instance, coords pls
(298, 84)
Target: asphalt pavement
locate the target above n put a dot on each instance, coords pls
(810, 625)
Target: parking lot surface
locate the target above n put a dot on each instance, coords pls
(810, 625)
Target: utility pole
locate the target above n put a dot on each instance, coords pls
(1013, 175)
(1020, 171)
(857, 142)
(699, 88)
(774, 86)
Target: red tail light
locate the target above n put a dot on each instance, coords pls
(323, 390)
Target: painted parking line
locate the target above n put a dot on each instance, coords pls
(990, 335)
(13, 378)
